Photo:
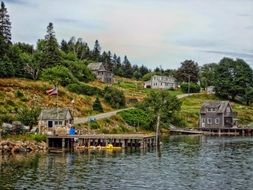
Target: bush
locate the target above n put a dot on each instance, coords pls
(82, 73)
(19, 94)
(194, 88)
(114, 97)
(28, 116)
(38, 137)
(97, 105)
(80, 88)
(7, 69)
(58, 75)
(137, 117)
(94, 125)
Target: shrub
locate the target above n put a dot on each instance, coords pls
(80, 88)
(28, 116)
(94, 125)
(82, 73)
(58, 75)
(38, 137)
(114, 97)
(97, 105)
(7, 69)
(194, 88)
(137, 117)
(19, 94)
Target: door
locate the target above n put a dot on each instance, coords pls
(50, 124)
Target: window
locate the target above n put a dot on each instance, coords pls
(209, 109)
(217, 121)
(209, 121)
(55, 122)
(60, 122)
(203, 120)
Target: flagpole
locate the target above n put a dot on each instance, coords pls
(57, 105)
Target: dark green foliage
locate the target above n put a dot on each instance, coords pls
(80, 88)
(137, 118)
(28, 116)
(189, 70)
(193, 88)
(163, 104)
(58, 75)
(38, 137)
(248, 96)
(6, 69)
(232, 78)
(207, 75)
(94, 125)
(96, 51)
(5, 24)
(80, 70)
(19, 94)
(51, 53)
(114, 97)
(97, 106)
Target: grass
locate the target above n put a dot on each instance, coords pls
(26, 137)
(191, 106)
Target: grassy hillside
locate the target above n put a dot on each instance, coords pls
(191, 106)
(16, 93)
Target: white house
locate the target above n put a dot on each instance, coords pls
(161, 82)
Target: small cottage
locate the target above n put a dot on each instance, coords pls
(100, 71)
(55, 117)
(216, 114)
(161, 82)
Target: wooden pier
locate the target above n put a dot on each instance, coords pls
(101, 140)
(228, 131)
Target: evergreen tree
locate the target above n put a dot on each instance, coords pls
(97, 106)
(96, 51)
(5, 31)
(51, 53)
(64, 46)
(127, 68)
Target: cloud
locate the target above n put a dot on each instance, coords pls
(234, 54)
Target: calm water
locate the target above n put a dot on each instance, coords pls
(183, 163)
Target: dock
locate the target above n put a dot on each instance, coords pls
(228, 131)
(68, 142)
(185, 131)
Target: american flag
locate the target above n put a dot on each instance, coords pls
(52, 91)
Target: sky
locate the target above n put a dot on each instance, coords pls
(155, 33)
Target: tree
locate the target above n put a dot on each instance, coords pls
(97, 106)
(188, 70)
(51, 52)
(248, 96)
(5, 31)
(96, 51)
(28, 116)
(232, 77)
(5, 24)
(127, 68)
(163, 107)
(207, 75)
(7, 69)
(114, 97)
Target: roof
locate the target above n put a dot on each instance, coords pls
(221, 105)
(96, 66)
(54, 113)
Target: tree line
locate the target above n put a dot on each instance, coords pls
(25, 60)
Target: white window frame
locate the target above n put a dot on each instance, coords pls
(217, 121)
(203, 120)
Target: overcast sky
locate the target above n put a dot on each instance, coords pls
(150, 32)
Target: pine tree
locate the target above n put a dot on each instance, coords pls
(96, 51)
(5, 24)
(51, 52)
(128, 71)
(97, 105)
(5, 31)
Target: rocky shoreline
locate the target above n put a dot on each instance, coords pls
(8, 146)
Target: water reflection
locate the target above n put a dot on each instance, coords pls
(183, 162)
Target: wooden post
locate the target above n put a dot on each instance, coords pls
(63, 143)
(123, 143)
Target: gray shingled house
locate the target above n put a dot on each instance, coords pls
(216, 114)
(101, 72)
(161, 82)
(54, 117)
